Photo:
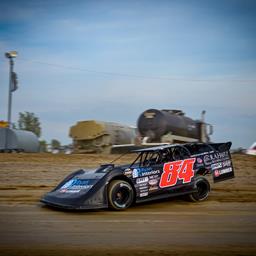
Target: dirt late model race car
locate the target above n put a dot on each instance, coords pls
(157, 172)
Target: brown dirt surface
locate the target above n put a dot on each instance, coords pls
(225, 224)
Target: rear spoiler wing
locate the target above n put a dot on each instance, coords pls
(221, 147)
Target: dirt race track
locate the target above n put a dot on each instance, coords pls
(225, 224)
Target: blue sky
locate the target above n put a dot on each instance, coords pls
(189, 55)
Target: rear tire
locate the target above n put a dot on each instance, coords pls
(203, 190)
(120, 195)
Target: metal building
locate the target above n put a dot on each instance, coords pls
(97, 136)
(18, 140)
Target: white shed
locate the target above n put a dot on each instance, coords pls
(18, 140)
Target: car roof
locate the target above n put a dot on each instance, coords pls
(157, 148)
(162, 147)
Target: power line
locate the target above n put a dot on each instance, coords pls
(136, 75)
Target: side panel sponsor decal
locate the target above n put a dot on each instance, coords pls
(217, 173)
(143, 194)
(221, 166)
(143, 171)
(128, 172)
(227, 163)
(141, 180)
(216, 166)
(216, 157)
(76, 185)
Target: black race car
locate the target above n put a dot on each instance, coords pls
(157, 172)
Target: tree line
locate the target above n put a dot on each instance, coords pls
(28, 121)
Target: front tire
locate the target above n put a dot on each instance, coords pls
(203, 190)
(120, 195)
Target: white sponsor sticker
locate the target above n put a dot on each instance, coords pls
(70, 190)
(153, 188)
(150, 173)
(227, 170)
(215, 157)
(128, 172)
(81, 187)
(226, 163)
(143, 194)
(135, 173)
(216, 166)
(153, 182)
(154, 176)
(143, 187)
(141, 180)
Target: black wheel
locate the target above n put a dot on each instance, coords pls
(120, 195)
(203, 190)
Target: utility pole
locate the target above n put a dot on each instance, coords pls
(12, 87)
(12, 84)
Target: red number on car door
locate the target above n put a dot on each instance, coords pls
(177, 170)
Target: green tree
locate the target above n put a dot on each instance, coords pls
(43, 145)
(29, 122)
(55, 144)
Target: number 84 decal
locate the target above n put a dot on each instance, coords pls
(177, 170)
